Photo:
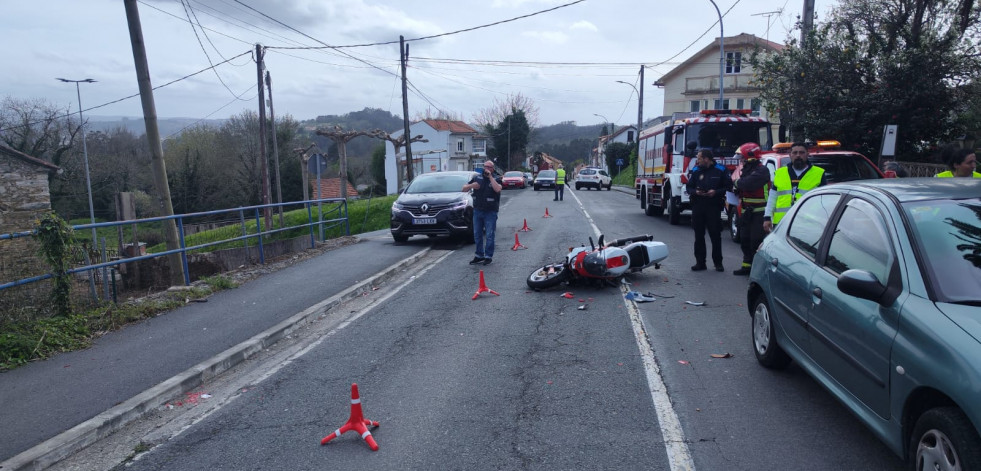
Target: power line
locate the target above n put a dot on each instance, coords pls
(189, 12)
(452, 32)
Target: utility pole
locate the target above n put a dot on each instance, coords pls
(272, 123)
(404, 52)
(303, 168)
(266, 212)
(157, 165)
(806, 20)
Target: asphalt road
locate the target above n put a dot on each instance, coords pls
(525, 379)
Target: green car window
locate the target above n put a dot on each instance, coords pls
(809, 221)
(860, 241)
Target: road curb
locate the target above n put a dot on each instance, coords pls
(61, 446)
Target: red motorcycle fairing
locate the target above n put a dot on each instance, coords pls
(600, 264)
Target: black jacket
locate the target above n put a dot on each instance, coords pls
(712, 178)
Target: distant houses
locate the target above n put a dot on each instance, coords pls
(452, 145)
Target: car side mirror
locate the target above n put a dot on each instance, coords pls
(861, 284)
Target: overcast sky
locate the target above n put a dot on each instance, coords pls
(566, 60)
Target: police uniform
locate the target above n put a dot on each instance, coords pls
(706, 211)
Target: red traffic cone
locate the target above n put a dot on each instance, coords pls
(546, 214)
(526, 228)
(482, 288)
(357, 422)
(517, 245)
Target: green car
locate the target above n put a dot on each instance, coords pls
(874, 288)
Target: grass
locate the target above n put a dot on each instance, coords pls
(626, 176)
(26, 341)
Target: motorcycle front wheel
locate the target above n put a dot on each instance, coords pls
(548, 276)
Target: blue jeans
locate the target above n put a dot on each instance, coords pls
(484, 226)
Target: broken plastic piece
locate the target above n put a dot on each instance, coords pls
(721, 355)
(694, 303)
(567, 294)
(639, 297)
(583, 307)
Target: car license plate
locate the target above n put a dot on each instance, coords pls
(424, 221)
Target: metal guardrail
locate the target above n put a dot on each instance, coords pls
(254, 213)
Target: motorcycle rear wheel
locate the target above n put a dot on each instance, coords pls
(543, 277)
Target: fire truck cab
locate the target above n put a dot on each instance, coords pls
(668, 150)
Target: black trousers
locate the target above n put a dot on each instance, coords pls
(559, 192)
(750, 234)
(706, 214)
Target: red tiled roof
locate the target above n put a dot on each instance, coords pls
(330, 188)
(451, 126)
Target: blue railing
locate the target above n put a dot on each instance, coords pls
(253, 213)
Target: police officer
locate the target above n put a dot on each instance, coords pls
(790, 183)
(752, 188)
(707, 186)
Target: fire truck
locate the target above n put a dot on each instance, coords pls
(668, 150)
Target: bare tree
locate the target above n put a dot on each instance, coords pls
(490, 117)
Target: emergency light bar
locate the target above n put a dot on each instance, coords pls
(784, 147)
(718, 112)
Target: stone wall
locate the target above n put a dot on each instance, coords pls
(24, 194)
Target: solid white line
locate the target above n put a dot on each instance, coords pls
(679, 456)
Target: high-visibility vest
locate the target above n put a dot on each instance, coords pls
(560, 177)
(949, 174)
(788, 192)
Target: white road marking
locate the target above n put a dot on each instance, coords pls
(679, 457)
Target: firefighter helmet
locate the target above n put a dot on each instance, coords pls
(750, 151)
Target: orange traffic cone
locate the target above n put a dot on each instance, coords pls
(546, 214)
(517, 245)
(525, 228)
(357, 422)
(482, 288)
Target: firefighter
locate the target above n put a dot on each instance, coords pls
(752, 188)
(707, 185)
(790, 183)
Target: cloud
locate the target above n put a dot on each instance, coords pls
(583, 24)
(554, 37)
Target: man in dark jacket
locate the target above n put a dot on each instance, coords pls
(707, 186)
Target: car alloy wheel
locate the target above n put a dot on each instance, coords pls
(768, 353)
(944, 439)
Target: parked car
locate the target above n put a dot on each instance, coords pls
(433, 205)
(545, 179)
(590, 177)
(872, 287)
(513, 179)
(839, 166)
(529, 179)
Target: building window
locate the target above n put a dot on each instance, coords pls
(694, 106)
(754, 105)
(734, 62)
(630, 136)
(740, 103)
(479, 146)
(725, 104)
(459, 145)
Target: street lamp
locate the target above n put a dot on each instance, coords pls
(607, 142)
(640, 111)
(722, 53)
(85, 153)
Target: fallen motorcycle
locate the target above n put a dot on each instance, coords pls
(604, 263)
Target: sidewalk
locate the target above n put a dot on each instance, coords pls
(55, 407)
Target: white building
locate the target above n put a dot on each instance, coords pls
(623, 135)
(452, 145)
(694, 84)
